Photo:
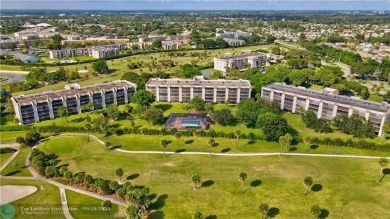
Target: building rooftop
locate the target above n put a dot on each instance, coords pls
(243, 56)
(380, 107)
(71, 90)
(198, 80)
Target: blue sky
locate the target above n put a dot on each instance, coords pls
(198, 4)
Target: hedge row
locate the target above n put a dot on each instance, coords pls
(360, 144)
(13, 128)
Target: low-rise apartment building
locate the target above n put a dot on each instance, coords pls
(44, 106)
(240, 61)
(211, 91)
(95, 51)
(327, 104)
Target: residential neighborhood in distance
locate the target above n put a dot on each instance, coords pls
(194, 109)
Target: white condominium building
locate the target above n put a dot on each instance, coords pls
(211, 91)
(235, 34)
(240, 61)
(44, 106)
(326, 104)
(94, 51)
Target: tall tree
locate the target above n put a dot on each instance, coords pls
(242, 177)
(177, 136)
(263, 210)
(164, 144)
(237, 134)
(63, 113)
(108, 145)
(383, 162)
(133, 212)
(88, 128)
(143, 98)
(197, 215)
(100, 66)
(306, 141)
(211, 144)
(119, 173)
(195, 180)
(285, 142)
(106, 205)
(315, 211)
(307, 182)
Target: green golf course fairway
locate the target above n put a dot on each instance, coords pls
(342, 187)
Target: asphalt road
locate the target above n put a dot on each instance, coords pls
(13, 76)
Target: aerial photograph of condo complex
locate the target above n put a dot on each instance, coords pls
(194, 109)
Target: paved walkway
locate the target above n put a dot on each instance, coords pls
(13, 146)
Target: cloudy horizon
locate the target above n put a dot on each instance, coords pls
(196, 5)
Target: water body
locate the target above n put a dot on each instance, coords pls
(12, 77)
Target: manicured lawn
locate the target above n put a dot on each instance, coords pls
(8, 137)
(17, 166)
(83, 206)
(295, 122)
(315, 87)
(375, 98)
(344, 187)
(47, 196)
(4, 157)
(10, 67)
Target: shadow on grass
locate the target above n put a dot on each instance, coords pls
(251, 142)
(324, 213)
(189, 142)
(316, 188)
(180, 151)
(80, 119)
(207, 183)
(255, 183)
(115, 147)
(133, 176)
(13, 173)
(211, 217)
(160, 202)
(273, 212)
(292, 149)
(156, 215)
(163, 107)
(225, 150)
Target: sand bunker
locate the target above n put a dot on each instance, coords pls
(82, 71)
(12, 193)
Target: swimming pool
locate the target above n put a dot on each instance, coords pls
(190, 123)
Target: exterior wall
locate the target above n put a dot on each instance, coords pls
(35, 111)
(240, 62)
(324, 109)
(210, 94)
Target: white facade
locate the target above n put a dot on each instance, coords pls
(240, 61)
(44, 106)
(211, 91)
(326, 105)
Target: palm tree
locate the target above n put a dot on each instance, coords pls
(88, 128)
(306, 141)
(197, 215)
(315, 211)
(284, 142)
(196, 134)
(307, 182)
(119, 173)
(195, 180)
(237, 134)
(164, 144)
(177, 136)
(108, 145)
(383, 162)
(242, 177)
(211, 144)
(263, 210)
(106, 205)
(133, 212)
